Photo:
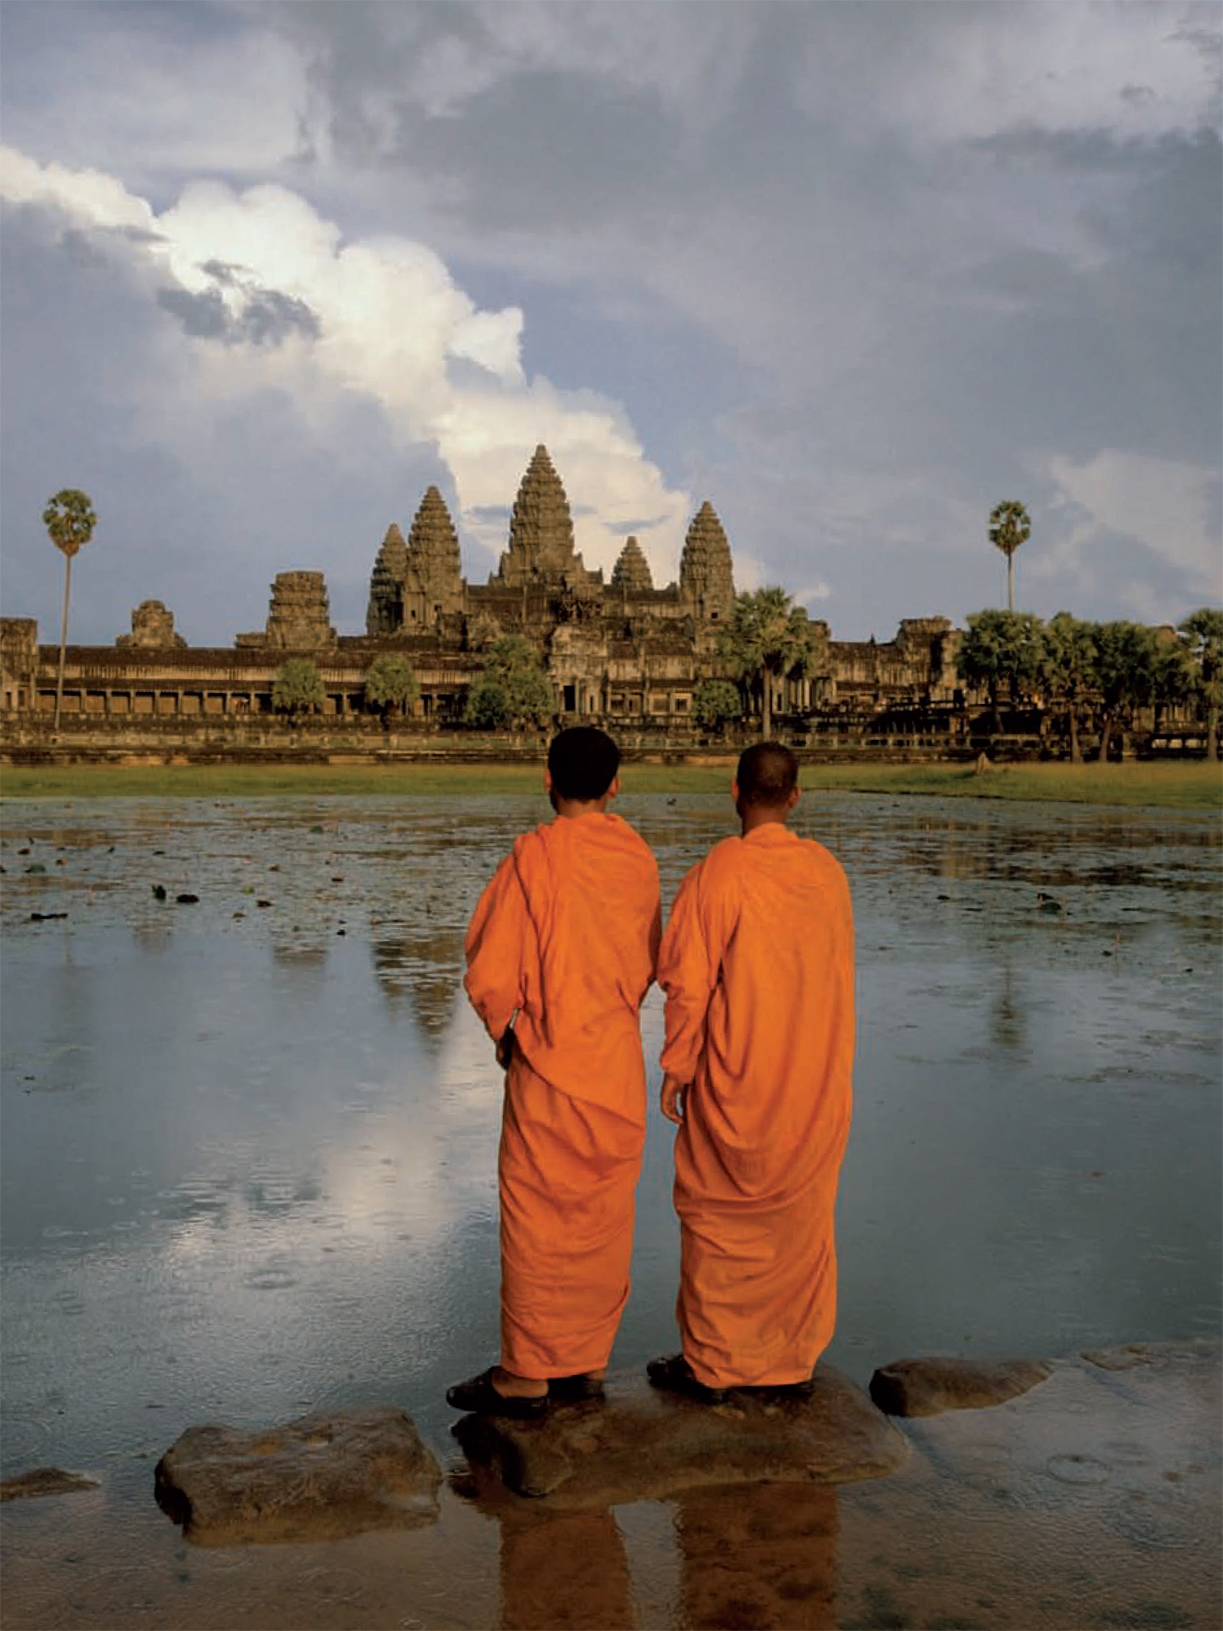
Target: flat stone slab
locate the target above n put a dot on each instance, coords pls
(642, 1443)
(29, 1486)
(323, 1476)
(927, 1387)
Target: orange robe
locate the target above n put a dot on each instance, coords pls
(566, 936)
(757, 965)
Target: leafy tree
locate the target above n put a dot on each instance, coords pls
(1000, 648)
(1203, 635)
(512, 689)
(1068, 670)
(1173, 678)
(1125, 667)
(298, 688)
(716, 701)
(767, 639)
(69, 519)
(391, 684)
(1009, 526)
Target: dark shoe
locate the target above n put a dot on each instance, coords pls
(674, 1373)
(769, 1391)
(572, 1389)
(481, 1398)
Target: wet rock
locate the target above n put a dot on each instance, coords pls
(927, 1387)
(317, 1478)
(1184, 1358)
(642, 1443)
(44, 1481)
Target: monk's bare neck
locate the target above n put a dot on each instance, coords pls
(753, 816)
(571, 809)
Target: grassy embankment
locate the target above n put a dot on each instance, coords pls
(1189, 786)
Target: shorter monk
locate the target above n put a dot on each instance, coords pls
(758, 967)
(560, 952)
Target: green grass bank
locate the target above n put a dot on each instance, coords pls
(1185, 786)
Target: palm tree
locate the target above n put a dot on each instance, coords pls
(1009, 526)
(769, 637)
(1069, 670)
(69, 520)
(1203, 634)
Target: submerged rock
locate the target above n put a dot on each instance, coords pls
(641, 1443)
(29, 1486)
(317, 1478)
(927, 1387)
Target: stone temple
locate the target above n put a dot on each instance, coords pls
(624, 650)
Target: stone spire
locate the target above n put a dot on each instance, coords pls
(631, 572)
(299, 618)
(384, 614)
(433, 558)
(541, 531)
(706, 577)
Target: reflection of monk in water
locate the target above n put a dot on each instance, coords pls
(762, 1556)
(757, 964)
(564, 1569)
(560, 953)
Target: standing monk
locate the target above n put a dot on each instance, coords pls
(757, 965)
(560, 953)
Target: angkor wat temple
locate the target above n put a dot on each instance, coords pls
(621, 651)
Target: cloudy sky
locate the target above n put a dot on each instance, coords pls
(854, 272)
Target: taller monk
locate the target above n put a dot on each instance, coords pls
(758, 967)
(560, 952)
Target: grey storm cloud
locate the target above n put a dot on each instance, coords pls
(267, 317)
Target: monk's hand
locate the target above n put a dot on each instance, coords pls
(505, 1048)
(672, 1098)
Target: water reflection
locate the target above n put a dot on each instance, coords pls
(423, 969)
(249, 1161)
(565, 1569)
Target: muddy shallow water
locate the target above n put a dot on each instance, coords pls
(249, 1144)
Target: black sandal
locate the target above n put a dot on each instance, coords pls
(674, 1373)
(572, 1389)
(480, 1398)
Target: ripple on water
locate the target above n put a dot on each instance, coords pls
(275, 1277)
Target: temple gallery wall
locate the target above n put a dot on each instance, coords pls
(624, 652)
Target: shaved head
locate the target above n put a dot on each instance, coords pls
(583, 763)
(767, 775)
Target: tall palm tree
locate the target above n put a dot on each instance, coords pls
(69, 520)
(1009, 526)
(769, 637)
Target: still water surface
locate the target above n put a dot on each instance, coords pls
(249, 1142)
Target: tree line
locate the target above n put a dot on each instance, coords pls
(1096, 674)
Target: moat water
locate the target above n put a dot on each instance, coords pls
(249, 1143)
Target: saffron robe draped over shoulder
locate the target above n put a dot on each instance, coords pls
(757, 966)
(565, 937)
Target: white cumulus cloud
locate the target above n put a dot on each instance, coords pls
(268, 292)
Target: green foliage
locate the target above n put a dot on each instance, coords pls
(716, 701)
(1068, 670)
(769, 637)
(1001, 648)
(488, 705)
(69, 519)
(1125, 664)
(1009, 527)
(298, 688)
(1202, 634)
(390, 682)
(512, 690)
